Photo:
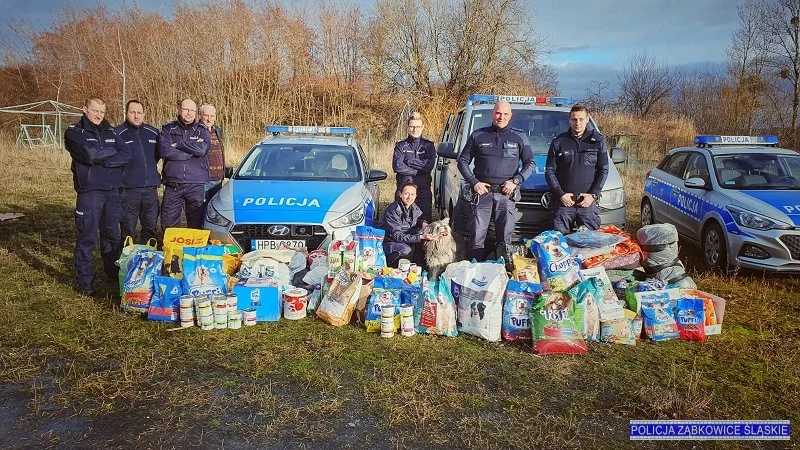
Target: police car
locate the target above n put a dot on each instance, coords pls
(298, 187)
(540, 119)
(736, 197)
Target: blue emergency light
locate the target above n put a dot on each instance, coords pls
(275, 129)
(519, 99)
(708, 140)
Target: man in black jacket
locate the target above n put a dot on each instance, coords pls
(403, 223)
(98, 156)
(140, 179)
(576, 170)
(184, 144)
(497, 151)
(413, 161)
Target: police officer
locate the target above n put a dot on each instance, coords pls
(403, 223)
(497, 151)
(98, 156)
(413, 161)
(184, 144)
(140, 179)
(576, 170)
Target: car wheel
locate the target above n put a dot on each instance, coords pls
(715, 251)
(647, 213)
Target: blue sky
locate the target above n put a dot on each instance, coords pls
(588, 40)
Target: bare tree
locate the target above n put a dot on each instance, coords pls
(781, 26)
(644, 82)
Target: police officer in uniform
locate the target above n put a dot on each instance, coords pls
(576, 170)
(413, 161)
(140, 179)
(98, 156)
(497, 151)
(403, 223)
(184, 144)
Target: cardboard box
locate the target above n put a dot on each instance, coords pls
(261, 294)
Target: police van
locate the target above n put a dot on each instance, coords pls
(735, 197)
(541, 119)
(298, 187)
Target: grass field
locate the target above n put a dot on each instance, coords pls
(75, 372)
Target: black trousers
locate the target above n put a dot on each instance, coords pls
(96, 211)
(139, 205)
(178, 197)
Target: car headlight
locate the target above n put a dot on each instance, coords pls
(354, 217)
(752, 220)
(213, 216)
(612, 199)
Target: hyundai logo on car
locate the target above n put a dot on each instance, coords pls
(278, 230)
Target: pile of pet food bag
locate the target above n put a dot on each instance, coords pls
(588, 286)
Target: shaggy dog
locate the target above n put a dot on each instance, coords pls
(443, 251)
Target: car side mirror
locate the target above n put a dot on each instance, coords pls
(696, 183)
(618, 155)
(228, 172)
(446, 150)
(376, 175)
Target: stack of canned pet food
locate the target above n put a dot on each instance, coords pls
(214, 311)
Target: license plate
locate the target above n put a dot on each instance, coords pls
(276, 244)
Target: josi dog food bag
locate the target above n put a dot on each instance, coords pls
(385, 291)
(690, 317)
(138, 286)
(525, 269)
(555, 326)
(517, 310)
(587, 297)
(435, 312)
(202, 270)
(165, 305)
(175, 239)
(659, 318)
(558, 269)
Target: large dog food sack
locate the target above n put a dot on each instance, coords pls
(620, 331)
(370, 245)
(556, 327)
(558, 269)
(137, 290)
(659, 318)
(479, 288)
(175, 239)
(385, 291)
(517, 310)
(711, 303)
(340, 300)
(165, 305)
(609, 305)
(690, 318)
(435, 311)
(587, 297)
(202, 270)
(125, 260)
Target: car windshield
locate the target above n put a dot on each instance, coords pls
(541, 126)
(300, 162)
(758, 171)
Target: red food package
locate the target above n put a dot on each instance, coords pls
(689, 316)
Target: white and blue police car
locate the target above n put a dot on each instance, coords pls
(298, 187)
(736, 197)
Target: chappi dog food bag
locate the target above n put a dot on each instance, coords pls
(559, 270)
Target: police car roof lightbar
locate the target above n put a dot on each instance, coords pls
(711, 140)
(276, 129)
(519, 100)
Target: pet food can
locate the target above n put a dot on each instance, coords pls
(206, 319)
(407, 320)
(249, 317)
(187, 301)
(233, 302)
(295, 302)
(387, 320)
(234, 320)
(207, 327)
(404, 265)
(187, 312)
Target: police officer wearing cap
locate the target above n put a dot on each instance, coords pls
(497, 151)
(576, 170)
(98, 156)
(413, 161)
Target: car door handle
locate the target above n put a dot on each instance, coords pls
(675, 190)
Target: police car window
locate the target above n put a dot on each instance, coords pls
(697, 168)
(674, 165)
(540, 126)
(457, 129)
(302, 162)
(756, 171)
(367, 165)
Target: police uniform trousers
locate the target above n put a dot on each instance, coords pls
(139, 205)
(499, 208)
(96, 210)
(179, 197)
(565, 217)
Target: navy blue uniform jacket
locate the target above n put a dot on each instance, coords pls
(402, 224)
(186, 162)
(413, 161)
(497, 153)
(141, 171)
(577, 165)
(98, 155)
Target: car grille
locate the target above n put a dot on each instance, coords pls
(314, 235)
(531, 200)
(522, 231)
(793, 242)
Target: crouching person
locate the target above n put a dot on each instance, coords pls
(403, 223)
